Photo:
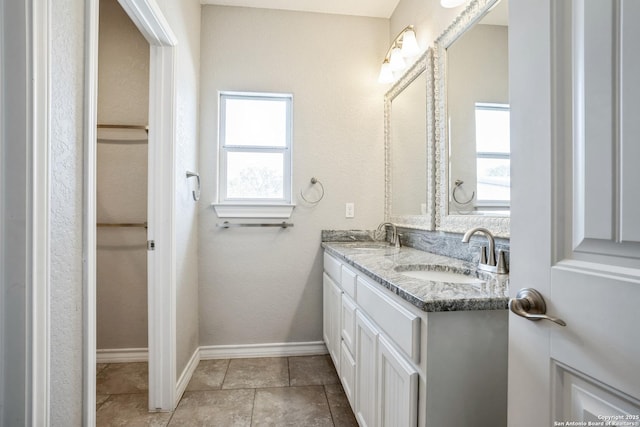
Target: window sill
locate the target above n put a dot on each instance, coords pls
(252, 211)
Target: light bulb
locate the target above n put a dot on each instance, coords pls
(386, 74)
(409, 44)
(396, 60)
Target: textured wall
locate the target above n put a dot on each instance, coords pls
(265, 285)
(123, 98)
(184, 19)
(67, 77)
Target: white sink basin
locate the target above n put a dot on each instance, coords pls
(439, 274)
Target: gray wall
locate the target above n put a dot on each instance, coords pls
(184, 18)
(265, 285)
(67, 95)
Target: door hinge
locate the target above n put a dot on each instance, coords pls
(151, 245)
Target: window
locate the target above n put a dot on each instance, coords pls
(254, 154)
(493, 152)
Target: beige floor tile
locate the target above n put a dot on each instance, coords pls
(257, 373)
(312, 370)
(129, 410)
(292, 406)
(209, 375)
(100, 399)
(121, 378)
(100, 367)
(339, 405)
(224, 408)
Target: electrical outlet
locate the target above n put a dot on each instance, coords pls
(349, 211)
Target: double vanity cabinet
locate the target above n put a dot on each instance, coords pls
(417, 339)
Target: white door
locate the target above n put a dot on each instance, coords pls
(575, 87)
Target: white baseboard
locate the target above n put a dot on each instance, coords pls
(262, 350)
(186, 375)
(122, 355)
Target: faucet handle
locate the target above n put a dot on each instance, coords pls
(502, 263)
(483, 254)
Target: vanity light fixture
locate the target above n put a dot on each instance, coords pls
(451, 3)
(404, 46)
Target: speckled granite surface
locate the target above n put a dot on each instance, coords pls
(437, 242)
(384, 264)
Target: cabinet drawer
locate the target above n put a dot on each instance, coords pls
(348, 374)
(400, 325)
(348, 282)
(332, 266)
(348, 322)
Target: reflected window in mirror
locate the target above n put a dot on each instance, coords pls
(471, 74)
(493, 153)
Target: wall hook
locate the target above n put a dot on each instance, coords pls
(196, 193)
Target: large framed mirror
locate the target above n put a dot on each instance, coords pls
(409, 159)
(471, 80)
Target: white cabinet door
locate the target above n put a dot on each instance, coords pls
(332, 325)
(348, 322)
(574, 88)
(366, 371)
(348, 374)
(397, 388)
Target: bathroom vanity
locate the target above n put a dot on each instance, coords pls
(416, 338)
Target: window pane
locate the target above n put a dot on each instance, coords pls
(494, 179)
(492, 130)
(255, 175)
(257, 122)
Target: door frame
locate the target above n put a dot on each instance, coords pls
(148, 18)
(32, 65)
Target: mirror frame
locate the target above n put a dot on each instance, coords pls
(499, 225)
(424, 64)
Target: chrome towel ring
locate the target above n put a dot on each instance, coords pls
(314, 181)
(456, 185)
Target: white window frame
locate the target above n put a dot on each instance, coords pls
(254, 207)
(485, 203)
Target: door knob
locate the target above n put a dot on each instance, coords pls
(530, 305)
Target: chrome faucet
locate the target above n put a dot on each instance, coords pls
(395, 239)
(490, 264)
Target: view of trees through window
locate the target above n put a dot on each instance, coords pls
(255, 146)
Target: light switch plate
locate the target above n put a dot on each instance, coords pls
(349, 211)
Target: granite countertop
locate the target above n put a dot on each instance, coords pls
(383, 264)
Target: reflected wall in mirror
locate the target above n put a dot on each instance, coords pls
(409, 172)
(472, 120)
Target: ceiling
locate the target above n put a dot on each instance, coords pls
(371, 8)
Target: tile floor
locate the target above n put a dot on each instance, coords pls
(299, 391)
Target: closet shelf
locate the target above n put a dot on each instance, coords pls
(111, 133)
(122, 224)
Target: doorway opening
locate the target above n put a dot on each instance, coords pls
(160, 296)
